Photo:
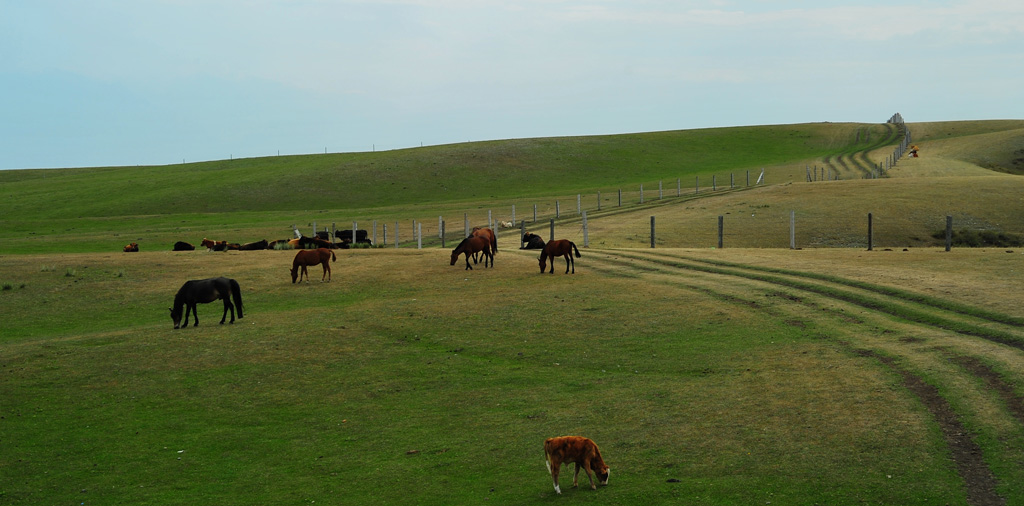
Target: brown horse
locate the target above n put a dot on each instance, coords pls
(559, 248)
(306, 258)
(471, 245)
(488, 234)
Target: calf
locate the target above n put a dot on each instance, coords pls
(579, 450)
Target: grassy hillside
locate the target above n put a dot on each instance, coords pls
(245, 200)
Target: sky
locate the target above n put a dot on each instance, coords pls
(87, 83)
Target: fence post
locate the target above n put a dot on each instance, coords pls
(721, 230)
(334, 229)
(535, 213)
(552, 230)
(599, 201)
(522, 232)
(586, 235)
(792, 230)
(641, 194)
(620, 197)
(714, 183)
(679, 187)
(661, 193)
(385, 241)
(579, 203)
(513, 214)
(375, 233)
(652, 231)
(558, 210)
(490, 222)
(949, 232)
(870, 232)
(732, 180)
(441, 226)
(748, 178)
(419, 235)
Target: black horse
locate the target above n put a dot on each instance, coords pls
(203, 291)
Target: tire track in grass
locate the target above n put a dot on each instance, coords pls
(967, 456)
(930, 312)
(970, 463)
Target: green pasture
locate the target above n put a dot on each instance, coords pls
(409, 380)
(752, 374)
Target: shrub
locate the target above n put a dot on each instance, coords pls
(981, 238)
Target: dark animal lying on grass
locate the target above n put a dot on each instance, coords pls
(254, 246)
(533, 241)
(183, 246)
(133, 247)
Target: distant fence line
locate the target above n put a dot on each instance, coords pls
(514, 214)
(827, 174)
(417, 232)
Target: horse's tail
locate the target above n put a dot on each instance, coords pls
(575, 249)
(333, 258)
(236, 294)
(494, 243)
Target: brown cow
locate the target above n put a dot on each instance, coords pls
(133, 247)
(579, 450)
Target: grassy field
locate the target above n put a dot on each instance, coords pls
(752, 374)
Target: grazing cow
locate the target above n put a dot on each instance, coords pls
(579, 450)
(183, 246)
(133, 247)
(533, 241)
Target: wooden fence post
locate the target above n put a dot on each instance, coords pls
(641, 194)
(652, 231)
(870, 232)
(419, 235)
(620, 197)
(599, 201)
(558, 210)
(396, 235)
(792, 230)
(385, 241)
(721, 230)
(441, 227)
(375, 233)
(552, 230)
(949, 232)
(522, 232)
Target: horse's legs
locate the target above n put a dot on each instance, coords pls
(227, 306)
(468, 267)
(195, 314)
(327, 272)
(568, 262)
(304, 273)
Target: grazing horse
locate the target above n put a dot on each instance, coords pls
(133, 247)
(183, 246)
(304, 258)
(488, 234)
(471, 245)
(203, 291)
(533, 241)
(559, 248)
(578, 450)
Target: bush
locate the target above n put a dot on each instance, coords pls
(981, 238)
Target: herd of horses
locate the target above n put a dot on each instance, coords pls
(481, 243)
